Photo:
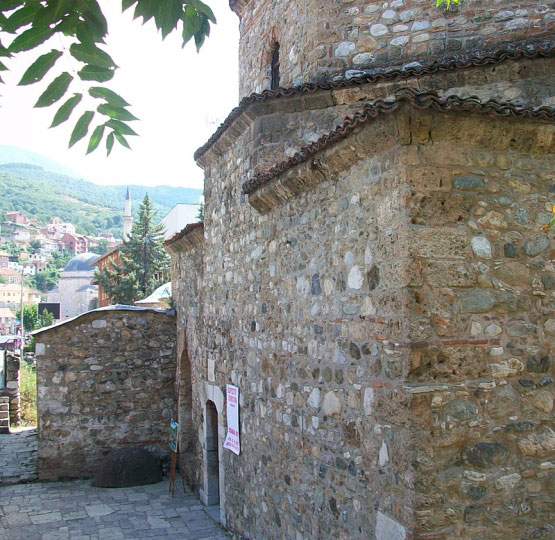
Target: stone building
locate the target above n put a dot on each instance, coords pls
(104, 381)
(75, 291)
(373, 276)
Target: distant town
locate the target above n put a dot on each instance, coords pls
(52, 267)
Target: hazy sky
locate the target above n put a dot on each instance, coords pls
(179, 96)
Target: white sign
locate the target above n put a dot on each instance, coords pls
(232, 438)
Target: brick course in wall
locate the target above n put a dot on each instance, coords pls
(105, 380)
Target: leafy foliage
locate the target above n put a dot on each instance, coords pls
(200, 215)
(447, 3)
(143, 261)
(81, 22)
(49, 277)
(31, 319)
(28, 392)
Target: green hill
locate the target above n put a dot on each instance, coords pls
(91, 208)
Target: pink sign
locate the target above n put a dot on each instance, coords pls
(232, 438)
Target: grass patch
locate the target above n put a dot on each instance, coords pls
(28, 392)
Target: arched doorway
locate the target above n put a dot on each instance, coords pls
(212, 458)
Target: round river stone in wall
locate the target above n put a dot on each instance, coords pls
(127, 467)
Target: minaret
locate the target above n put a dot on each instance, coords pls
(127, 219)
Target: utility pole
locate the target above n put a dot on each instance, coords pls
(21, 314)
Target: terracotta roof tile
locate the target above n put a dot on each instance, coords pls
(416, 99)
(517, 51)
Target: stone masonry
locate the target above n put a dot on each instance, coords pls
(105, 379)
(321, 39)
(11, 391)
(373, 275)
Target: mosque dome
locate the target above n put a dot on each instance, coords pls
(81, 263)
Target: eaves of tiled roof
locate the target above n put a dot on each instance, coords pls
(415, 99)
(488, 56)
(184, 233)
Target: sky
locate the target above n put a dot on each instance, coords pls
(179, 96)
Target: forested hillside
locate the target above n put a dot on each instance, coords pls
(91, 208)
(43, 200)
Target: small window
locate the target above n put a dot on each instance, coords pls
(275, 67)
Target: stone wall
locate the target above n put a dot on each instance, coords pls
(11, 390)
(385, 308)
(320, 39)
(105, 380)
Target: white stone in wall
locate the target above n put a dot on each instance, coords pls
(345, 48)
(314, 398)
(40, 348)
(368, 402)
(383, 456)
(99, 323)
(378, 30)
(355, 280)
(481, 246)
(389, 529)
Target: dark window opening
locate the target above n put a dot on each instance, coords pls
(275, 67)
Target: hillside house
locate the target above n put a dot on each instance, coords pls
(10, 295)
(19, 218)
(4, 259)
(9, 275)
(73, 243)
(7, 321)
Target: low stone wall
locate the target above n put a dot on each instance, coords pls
(11, 390)
(105, 380)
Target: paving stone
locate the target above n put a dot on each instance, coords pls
(77, 511)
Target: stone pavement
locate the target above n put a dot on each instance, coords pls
(77, 511)
(18, 457)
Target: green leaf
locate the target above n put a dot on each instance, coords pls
(91, 54)
(202, 8)
(53, 12)
(95, 139)
(94, 17)
(3, 51)
(3, 67)
(40, 67)
(22, 17)
(109, 143)
(145, 9)
(121, 127)
(201, 35)
(110, 96)
(96, 73)
(126, 4)
(30, 39)
(121, 139)
(118, 113)
(65, 110)
(191, 24)
(81, 127)
(168, 15)
(56, 89)
(9, 5)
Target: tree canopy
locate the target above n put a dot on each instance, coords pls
(82, 29)
(143, 261)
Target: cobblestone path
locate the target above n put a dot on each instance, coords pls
(77, 511)
(18, 457)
